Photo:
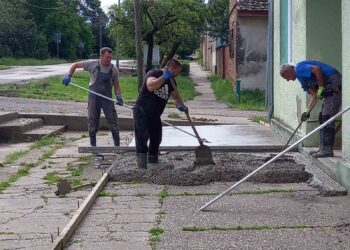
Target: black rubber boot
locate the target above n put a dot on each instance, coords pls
(152, 158)
(116, 140)
(141, 161)
(328, 142)
(93, 140)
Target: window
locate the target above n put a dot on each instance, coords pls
(286, 28)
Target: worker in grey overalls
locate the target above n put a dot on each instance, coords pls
(103, 76)
(323, 82)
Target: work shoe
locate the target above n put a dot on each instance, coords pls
(312, 152)
(93, 140)
(323, 154)
(141, 161)
(152, 158)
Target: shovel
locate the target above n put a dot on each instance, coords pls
(64, 187)
(203, 152)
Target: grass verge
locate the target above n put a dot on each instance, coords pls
(52, 88)
(249, 99)
(10, 61)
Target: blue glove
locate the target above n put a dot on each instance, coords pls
(167, 74)
(119, 100)
(67, 80)
(182, 108)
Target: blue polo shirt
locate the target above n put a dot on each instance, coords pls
(308, 79)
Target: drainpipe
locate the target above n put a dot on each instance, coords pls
(269, 63)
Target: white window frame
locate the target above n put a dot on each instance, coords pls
(290, 31)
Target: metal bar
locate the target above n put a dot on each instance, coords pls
(123, 149)
(275, 158)
(131, 107)
(73, 224)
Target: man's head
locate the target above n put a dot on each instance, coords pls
(106, 56)
(287, 71)
(174, 66)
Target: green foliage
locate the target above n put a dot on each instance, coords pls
(185, 70)
(53, 89)
(52, 178)
(10, 61)
(249, 99)
(155, 236)
(218, 18)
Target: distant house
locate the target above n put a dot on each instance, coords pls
(310, 30)
(248, 43)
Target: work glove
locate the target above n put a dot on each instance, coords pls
(182, 108)
(305, 115)
(119, 100)
(167, 74)
(67, 80)
(320, 92)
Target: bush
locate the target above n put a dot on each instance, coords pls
(185, 71)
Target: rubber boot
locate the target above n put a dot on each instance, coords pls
(153, 158)
(328, 142)
(141, 161)
(93, 140)
(116, 140)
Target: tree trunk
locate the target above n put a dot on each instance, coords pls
(149, 41)
(171, 53)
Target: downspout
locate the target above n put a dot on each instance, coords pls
(269, 66)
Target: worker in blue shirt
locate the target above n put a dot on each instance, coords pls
(323, 82)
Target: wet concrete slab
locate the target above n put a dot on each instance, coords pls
(312, 239)
(276, 209)
(221, 135)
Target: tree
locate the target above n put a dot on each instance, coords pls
(168, 23)
(218, 18)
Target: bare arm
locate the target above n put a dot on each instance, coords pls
(74, 67)
(154, 83)
(317, 71)
(313, 93)
(176, 97)
(117, 89)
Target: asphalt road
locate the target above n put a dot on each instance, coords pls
(23, 74)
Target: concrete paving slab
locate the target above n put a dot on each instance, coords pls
(311, 239)
(221, 135)
(218, 187)
(142, 189)
(278, 209)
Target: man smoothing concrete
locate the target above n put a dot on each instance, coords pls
(149, 107)
(324, 82)
(103, 76)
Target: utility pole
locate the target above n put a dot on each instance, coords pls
(116, 45)
(137, 8)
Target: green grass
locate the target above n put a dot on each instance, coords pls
(53, 89)
(23, 171)
(244, 228)
(107, 194)
(42, 142)
(174, 115)
(257, 119)
(52, 178)
(10, 61)
(249, 100)
(155, 232)
(3, 67)
(11, 158)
